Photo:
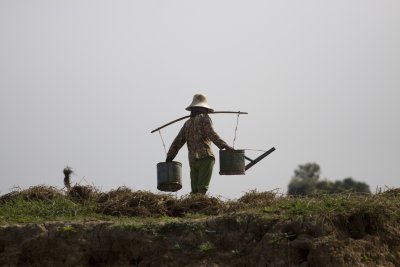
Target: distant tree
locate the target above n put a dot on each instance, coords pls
(301, 187)
(349, 184)
(308, 171)
(305, 181)
(325, 187)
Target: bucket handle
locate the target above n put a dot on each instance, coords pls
(255, 161)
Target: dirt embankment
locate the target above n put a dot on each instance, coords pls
(146, 229)
(228, 240)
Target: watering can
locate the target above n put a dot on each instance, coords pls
(169, 176)
(232, 162)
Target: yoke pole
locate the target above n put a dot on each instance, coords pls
(214, 112)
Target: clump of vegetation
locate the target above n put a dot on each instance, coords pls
(67, 228)
(255, 198)
(83, 194)
(67, 176)
(198, 203)
(125, 202)
(40, 192)
(206, 246)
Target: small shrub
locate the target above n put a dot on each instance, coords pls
(206, 246)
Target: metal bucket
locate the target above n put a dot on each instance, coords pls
(231, 162)
(169, 176)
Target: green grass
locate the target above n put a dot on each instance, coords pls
(59, 208)
(328, 206)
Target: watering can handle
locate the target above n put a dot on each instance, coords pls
(253, 162)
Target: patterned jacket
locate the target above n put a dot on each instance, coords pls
(198, 133)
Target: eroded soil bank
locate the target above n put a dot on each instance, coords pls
(226, 240)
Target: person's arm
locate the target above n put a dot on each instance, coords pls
(176, 145)
(214, 137)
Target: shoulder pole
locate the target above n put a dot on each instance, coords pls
(214, 112)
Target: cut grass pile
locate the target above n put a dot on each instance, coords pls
(42, 203)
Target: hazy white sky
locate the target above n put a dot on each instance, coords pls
(82, 83)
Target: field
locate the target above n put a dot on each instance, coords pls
(46, 226)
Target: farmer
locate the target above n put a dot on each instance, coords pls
(198, 133)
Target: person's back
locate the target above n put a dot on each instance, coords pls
(198, 133)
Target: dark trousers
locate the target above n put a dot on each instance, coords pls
(200, 174)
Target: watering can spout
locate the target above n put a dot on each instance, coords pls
(232, 161)
(255, 161)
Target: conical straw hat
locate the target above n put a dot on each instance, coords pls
(199, 100)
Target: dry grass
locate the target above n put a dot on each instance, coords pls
(197, 203)
(83, 194)
(124, 201)
(40, 192)
(255, 198)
